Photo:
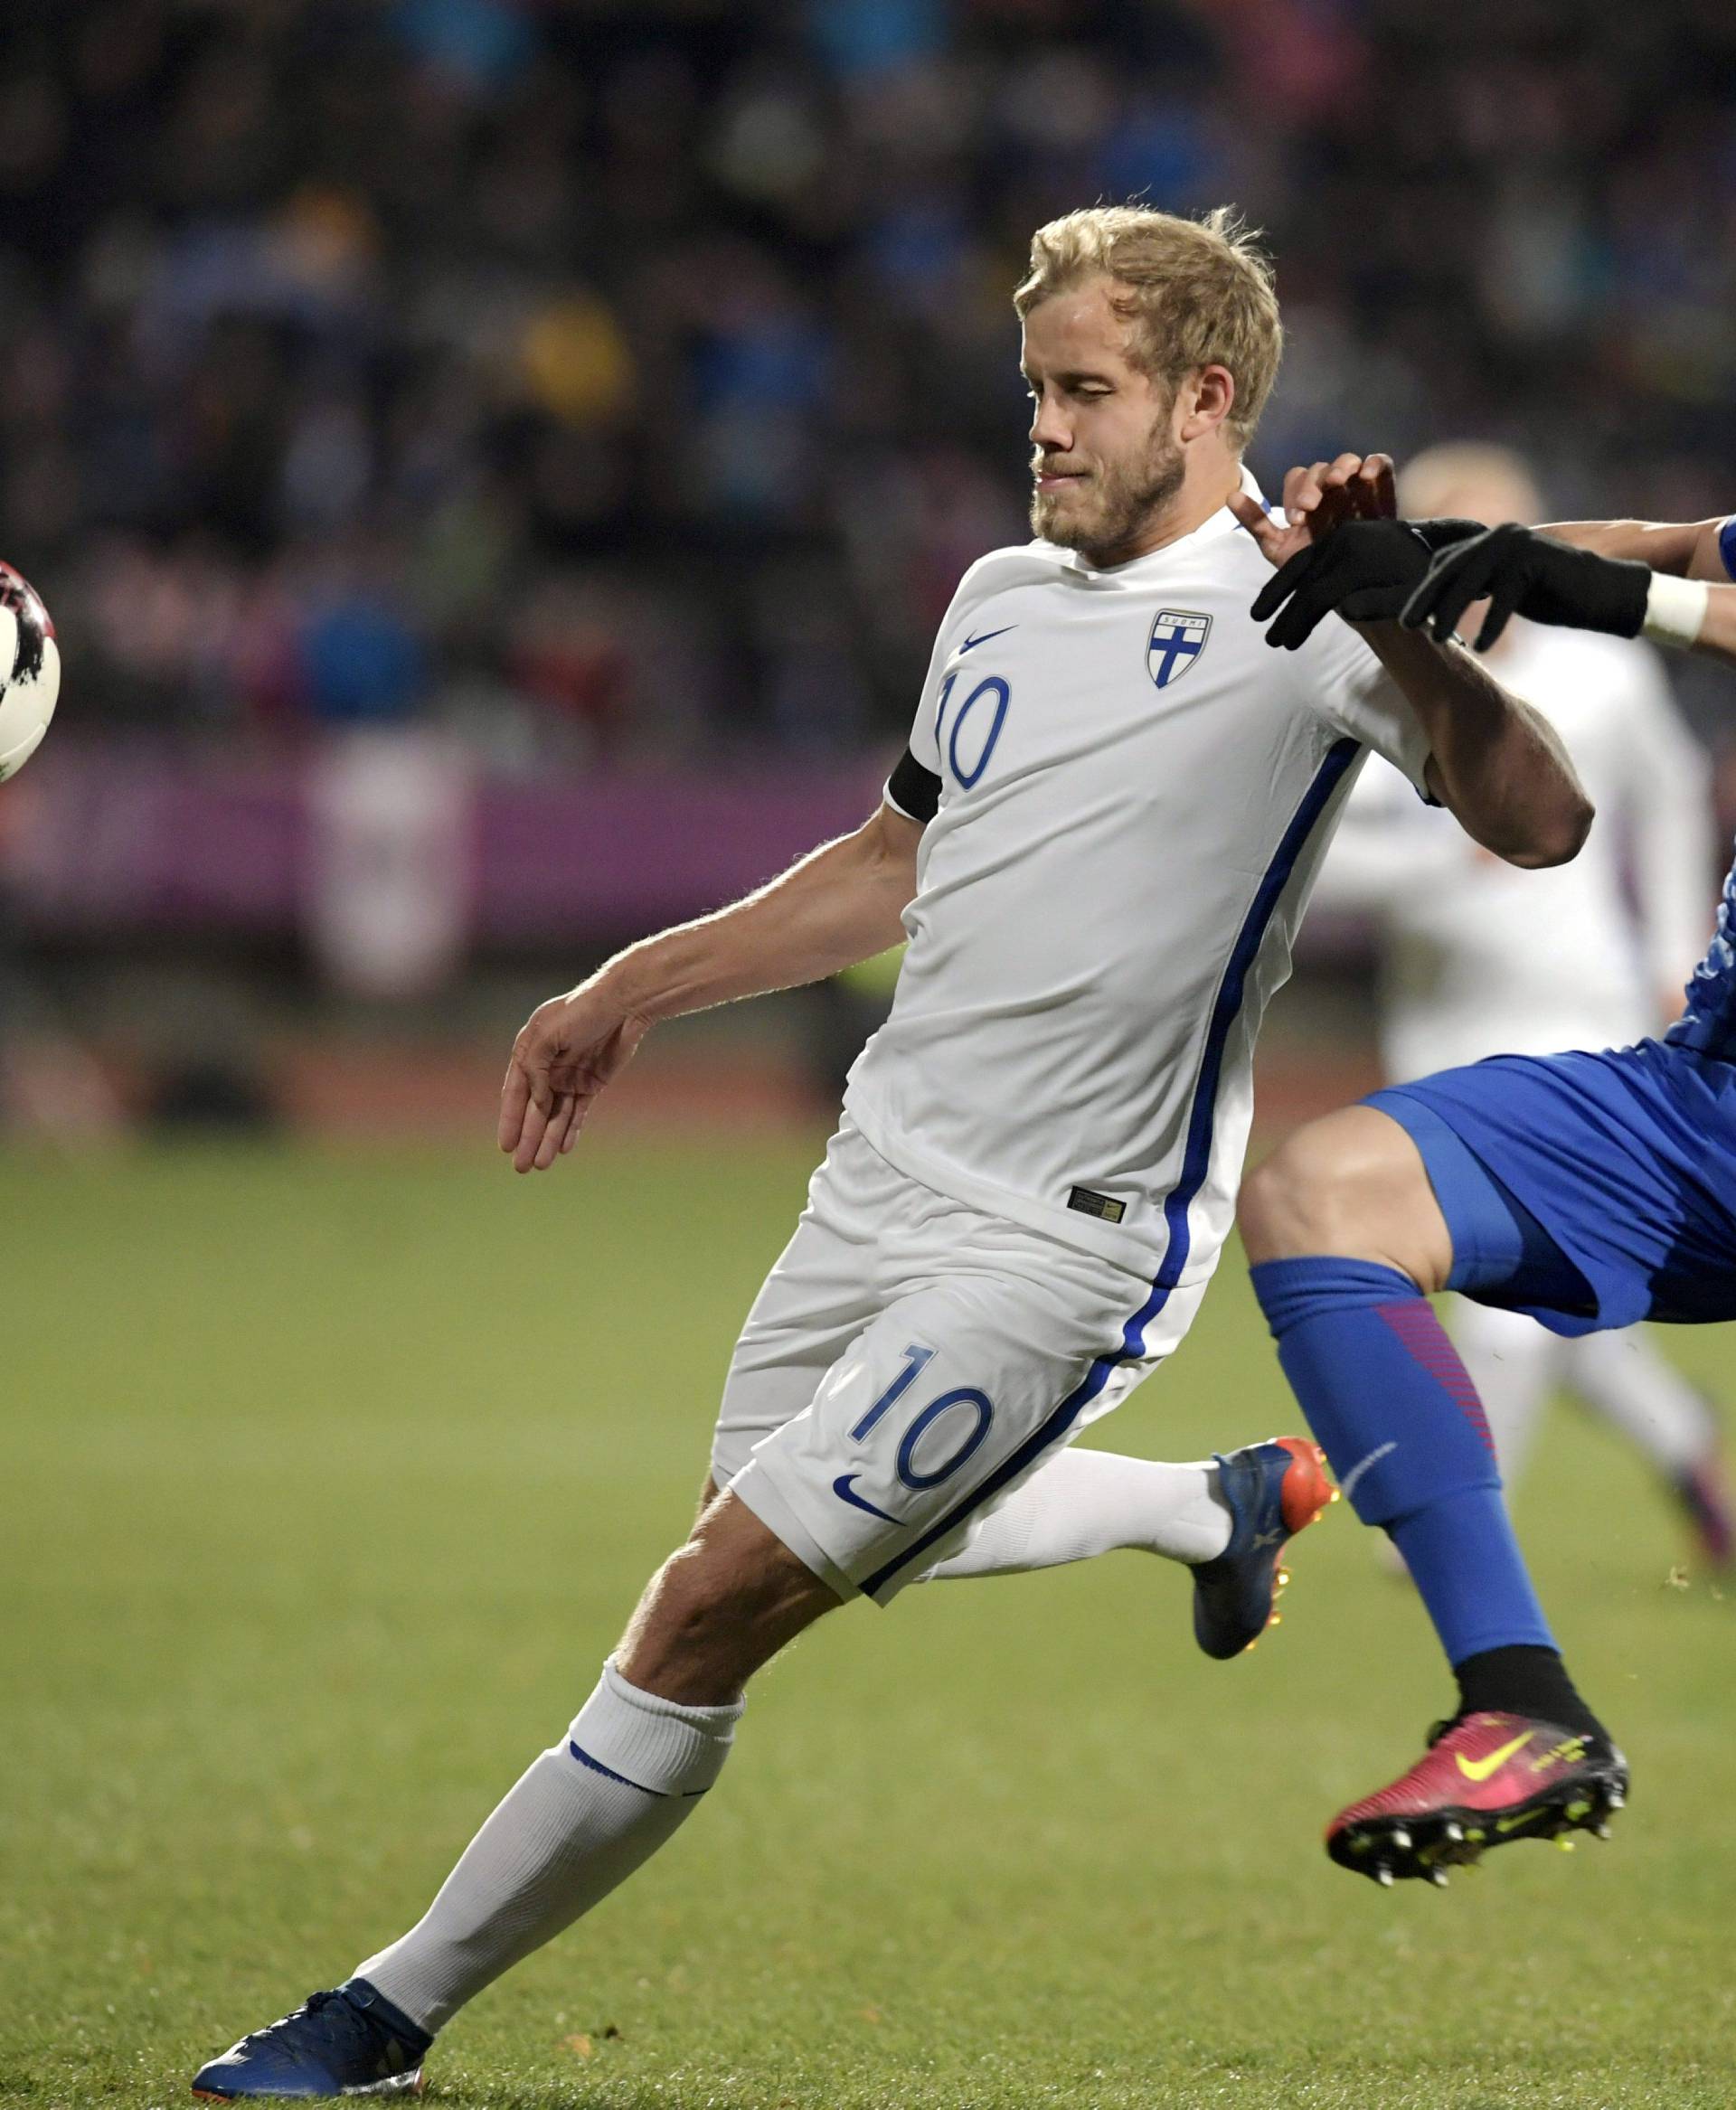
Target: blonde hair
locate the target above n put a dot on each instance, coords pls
(1470, 475)
(1193, 292)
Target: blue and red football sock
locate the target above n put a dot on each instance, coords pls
(1398, 1416)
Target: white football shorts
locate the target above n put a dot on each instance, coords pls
(910, 1361)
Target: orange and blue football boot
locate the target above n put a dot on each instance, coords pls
(1486, 1780)
(346, 2042)
(1272, 1490)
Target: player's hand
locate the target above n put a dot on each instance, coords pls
(566, 1050)
(1519, 571)
(1318, 499)
(1365, 571)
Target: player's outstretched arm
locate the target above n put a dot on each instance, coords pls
(1531, 572)
(1494, 763)
(1717, 637)
(1693, 548)
(841, 903)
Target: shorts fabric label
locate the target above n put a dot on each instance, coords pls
(1104, 1207)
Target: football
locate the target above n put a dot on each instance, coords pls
(32, 661)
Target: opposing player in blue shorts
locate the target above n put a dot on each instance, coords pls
(1589, 1190)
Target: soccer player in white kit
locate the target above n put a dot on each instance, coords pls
(1477, 960)
(1099, 844)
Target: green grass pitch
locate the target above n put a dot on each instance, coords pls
(328, 1483)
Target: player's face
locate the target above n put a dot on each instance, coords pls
(1105, 458)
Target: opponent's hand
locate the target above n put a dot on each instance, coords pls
(1318, 499)
(1365, 571)
(566, 1050)
(1519, 571)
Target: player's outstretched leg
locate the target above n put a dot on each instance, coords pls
(1346, 1235)
(1228, 1518)
(1641, 1392)
(646, 1745)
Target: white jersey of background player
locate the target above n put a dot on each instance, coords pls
(1100, 840)
(1476, 959)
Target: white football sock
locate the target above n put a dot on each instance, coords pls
(1625, 1377)
(1083, 1504)
(1515, 1364)
(570, 1830)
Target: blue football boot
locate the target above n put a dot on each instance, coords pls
(1272, 1491)
(349, 2042)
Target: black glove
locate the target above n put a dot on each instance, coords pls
(1365, 571)
(1517, 570)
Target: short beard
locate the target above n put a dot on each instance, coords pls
(1125, 498)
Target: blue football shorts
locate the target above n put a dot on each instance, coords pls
(1591, 1190)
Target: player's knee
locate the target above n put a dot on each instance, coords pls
(704, 1596)
(1299, 1199)
(718, 1608)
(1351, 1185)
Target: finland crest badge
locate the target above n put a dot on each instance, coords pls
(1177, 639)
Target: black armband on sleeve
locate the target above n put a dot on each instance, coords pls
(912, 789)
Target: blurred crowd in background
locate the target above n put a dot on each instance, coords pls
(632, 382)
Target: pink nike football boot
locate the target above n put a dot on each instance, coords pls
(1485, 1781)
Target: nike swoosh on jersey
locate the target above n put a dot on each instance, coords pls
(842, 1488)
(1481, 1768)
(971, 643)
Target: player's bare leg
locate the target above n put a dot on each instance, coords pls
(1352, 1183)
(1346, 1235)
(719, 1609)
(1626, 1379)
(650, 1740)
(1228, 1518)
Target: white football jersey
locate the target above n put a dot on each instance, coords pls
(1135, 791)
(1479, 959)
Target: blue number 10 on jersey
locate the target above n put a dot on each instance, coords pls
(994, 695)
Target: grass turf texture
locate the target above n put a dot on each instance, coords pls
(330, 1481)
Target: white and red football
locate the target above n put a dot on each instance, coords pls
(30, 661)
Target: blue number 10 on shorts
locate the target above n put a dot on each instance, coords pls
(905, 1350)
